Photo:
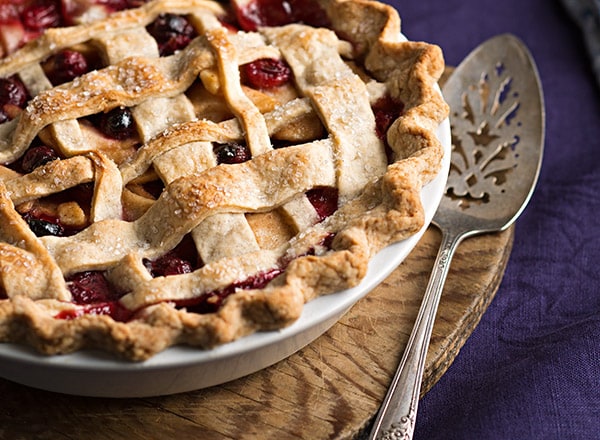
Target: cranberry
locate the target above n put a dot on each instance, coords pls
(114, 309)
(12, 94)
(168, 264)
(280, 12)
(324, 200)
(90, 287)
(207, 303)
(211, 301)
(386, 111)
(43, 224)
(231, 153)
(172, 32)
(257, 281)
(66, 66)
(117, 123)
(266, 73)
(92, 290)
(182, 259)
(8, 13)
(36, 157)
(119, 5)
(12, 31)
(13, 91)
(229, 22)
(38, 17)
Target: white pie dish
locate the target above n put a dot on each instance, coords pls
(181, 369)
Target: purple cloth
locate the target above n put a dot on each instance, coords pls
(531, 369)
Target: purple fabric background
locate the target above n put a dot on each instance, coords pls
(531, 369)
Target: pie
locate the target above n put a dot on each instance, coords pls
(190, 172)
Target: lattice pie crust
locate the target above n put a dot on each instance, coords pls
(249, 221)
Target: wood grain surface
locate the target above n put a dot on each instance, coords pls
(329, 390)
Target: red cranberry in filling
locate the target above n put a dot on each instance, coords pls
(12, 31)
(13, 96)
(90, 287)
(258, 281)
(212, 301)
(280, 12)
(36, 157)
(42, 224)
(119, 5)
(386, 111)
(117, 123)
(13, 91)
(266, 73)
(231, 153)
(171, 32)
(38, 17)
(324, 200)
(8, 13)
(66, 66)
(114, 309)
(168, 264)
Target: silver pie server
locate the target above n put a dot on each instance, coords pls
(497, 120)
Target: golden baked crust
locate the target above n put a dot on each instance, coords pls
(229, 211)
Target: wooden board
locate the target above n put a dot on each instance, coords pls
(329, 390)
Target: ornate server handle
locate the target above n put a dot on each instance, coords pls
(397, 415)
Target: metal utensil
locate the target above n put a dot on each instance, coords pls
(498, 121)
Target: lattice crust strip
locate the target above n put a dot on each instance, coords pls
(379, 202)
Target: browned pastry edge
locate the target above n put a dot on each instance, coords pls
(388, 211)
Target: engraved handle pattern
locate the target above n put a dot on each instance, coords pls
(397, 415)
